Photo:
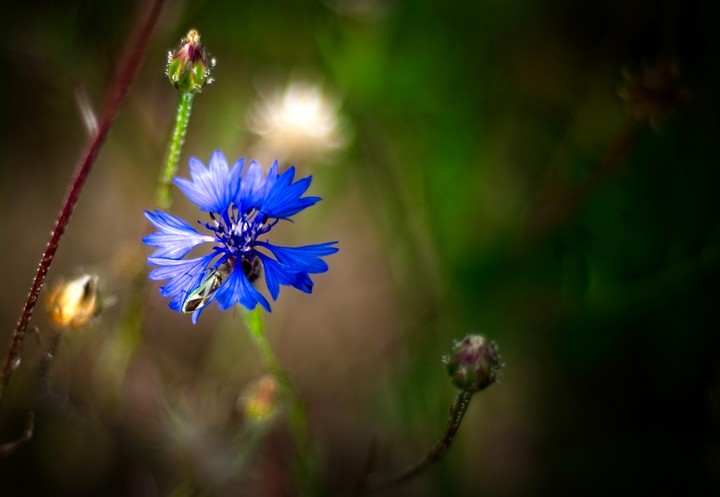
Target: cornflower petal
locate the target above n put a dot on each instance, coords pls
(272, 176)
(237, 288)
(277, 274)
(285, 198)
(176, 237)
(251, 186)
(254, 188)
(183, 275)
(306, 258)
(212, 188)
(303, 282)
(281, 183)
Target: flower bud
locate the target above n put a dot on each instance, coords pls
(259, 403)
(473, 364)
(654, 92)
(72, 304)
(189, 66)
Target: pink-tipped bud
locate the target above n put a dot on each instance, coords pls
(189, 66)
(473, 364)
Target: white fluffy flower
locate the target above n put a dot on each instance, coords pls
(298, 123)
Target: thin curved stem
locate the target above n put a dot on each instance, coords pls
(163, 196)
(457, 412)
(124, 77)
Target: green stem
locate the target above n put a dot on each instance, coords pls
(298, 415)
(256, 330)
(163, 197)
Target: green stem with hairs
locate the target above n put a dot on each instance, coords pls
(163, 197)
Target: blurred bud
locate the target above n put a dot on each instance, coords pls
(653, 93)
(189, 66)
(259, 402)
(473, 364)
(72, 304)
(299, 123)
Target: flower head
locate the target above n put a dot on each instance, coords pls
(243, 205)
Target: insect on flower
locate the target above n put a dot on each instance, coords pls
(202, 295)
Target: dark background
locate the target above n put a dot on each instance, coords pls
(493, 181)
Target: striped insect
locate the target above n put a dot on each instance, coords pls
(201, 296)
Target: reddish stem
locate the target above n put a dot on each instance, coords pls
(121, 83)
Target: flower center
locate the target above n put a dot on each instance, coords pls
(238, 233)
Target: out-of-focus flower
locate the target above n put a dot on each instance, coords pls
(243, 206)
(300, 123)
(260, 402)
(72, 304)
(653, 93)
(473, 364)
(189, 66)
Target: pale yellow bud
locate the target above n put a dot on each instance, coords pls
(72, 304)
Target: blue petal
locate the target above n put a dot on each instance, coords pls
(254, 187)
(176, 237)
(277, 274)
(183, 275)
(238, 289)
(251, 187)
(213, 188)
(285, 198)
(289, 209)
(303, 282)
(271, 178)
(306, 258)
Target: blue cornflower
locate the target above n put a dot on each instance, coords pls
(243, 207)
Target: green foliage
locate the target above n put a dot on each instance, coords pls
(494, 182)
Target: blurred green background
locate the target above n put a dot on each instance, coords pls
(489, 179)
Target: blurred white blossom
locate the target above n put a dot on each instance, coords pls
(299, 123)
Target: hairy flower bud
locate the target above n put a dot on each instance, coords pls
(473, 364)
(72, 304)
(189, 66)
